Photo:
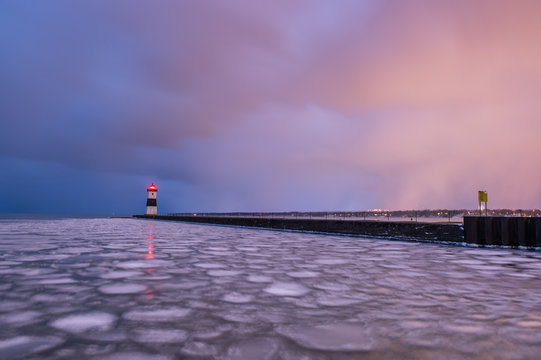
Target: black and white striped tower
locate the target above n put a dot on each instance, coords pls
(152, 205)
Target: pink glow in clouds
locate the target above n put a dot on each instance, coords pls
(288, 105)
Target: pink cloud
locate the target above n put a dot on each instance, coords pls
(287, 104)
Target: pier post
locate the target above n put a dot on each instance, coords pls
(496, 227)
(513, 230)
(537, 231)
(521, 227)
(470, 229)
(505, 231)
(531, 232)
(482, 233)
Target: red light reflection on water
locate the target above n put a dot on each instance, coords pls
(149, 255)
(150, 244)
(149, 293)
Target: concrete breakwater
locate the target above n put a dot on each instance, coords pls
(395, 230)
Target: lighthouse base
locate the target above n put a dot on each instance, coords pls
(152, 210)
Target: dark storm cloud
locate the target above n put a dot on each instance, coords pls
(92, 84)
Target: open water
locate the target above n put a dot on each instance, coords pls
(141, 289)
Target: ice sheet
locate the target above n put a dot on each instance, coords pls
(134, 289)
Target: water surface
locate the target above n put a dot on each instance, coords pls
(140, 289)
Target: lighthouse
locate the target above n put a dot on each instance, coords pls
(152, 206)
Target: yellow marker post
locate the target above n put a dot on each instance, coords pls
(483, 198)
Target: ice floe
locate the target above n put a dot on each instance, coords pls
(79, 323)
(20, 318)
(122, 289)
(336, 301)
(223, 272)
(259, 348)
(238, 298)
(161, 336)
(286, 289)
(259, 278)
(303, 274)
(135, 356)
(331, 337)
(165, 314)
(120, 274)
(143, 264)
(209, 265)
(331, 261)
(56, 281)
(198, 349)
(23, 346)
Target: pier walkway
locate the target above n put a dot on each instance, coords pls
(449, 232)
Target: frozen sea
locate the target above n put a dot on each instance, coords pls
(99, 288)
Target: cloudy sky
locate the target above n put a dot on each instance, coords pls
(269, 105)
